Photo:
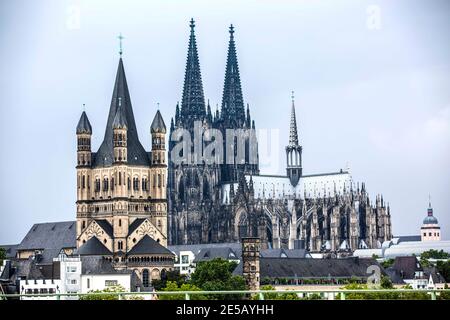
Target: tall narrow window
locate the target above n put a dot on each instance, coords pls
(145, 280)
(83, 181)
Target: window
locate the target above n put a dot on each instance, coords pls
(120, 245)
(129, 183)
(184, 259)
(83, 181)
(120, 222)
(110, 283)
(71, 281)
(145, 280)
(88, 283)
(97, 185)
(71, 269)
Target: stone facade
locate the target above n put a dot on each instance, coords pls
(250, 262)
(221, 202)
(121, 191)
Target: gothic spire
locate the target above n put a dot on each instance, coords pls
(232, 100)
(121, 101)
(193, 101)
(293, 136)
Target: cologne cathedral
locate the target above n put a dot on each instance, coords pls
(213, 202)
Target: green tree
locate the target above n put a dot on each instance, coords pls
(173, 286)
(443, 268)
(386, 283)
(387, 263)
(109, 293)
(2, 255)
(434, 254)
(173, 276)
(277, 296)
(216, 275)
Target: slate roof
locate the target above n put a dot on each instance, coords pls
(312, 268)
(93, 247)
(84, 126)
(408, 238)
(208, 251)
(285, 253)
(225, 253)
(148, 246)
(105, 225)
(50, 235)
(407, 266)
(99, 265)
(135, 151)
(196, 248)
(134, 225)
(158, 124)
(120, 119)
(10, 250)
(6, 272)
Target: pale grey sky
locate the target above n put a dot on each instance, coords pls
(373, 93)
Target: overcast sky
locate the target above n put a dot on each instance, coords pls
(371, 80)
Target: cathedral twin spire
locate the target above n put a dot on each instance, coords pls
(193, 105)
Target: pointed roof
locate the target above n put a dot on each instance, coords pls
(136, 153)
(293, 136)
(158, 124)
(149, 246)
(84, 126)
(193, 100)
(93, 247)
(120, 119)
(232, 100)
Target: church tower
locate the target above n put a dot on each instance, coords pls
(293, 150)
(234, 116)
(121, 198)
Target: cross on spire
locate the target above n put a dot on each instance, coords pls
(120, 37)
(192, 24)
(292, 96)
(231, 29)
